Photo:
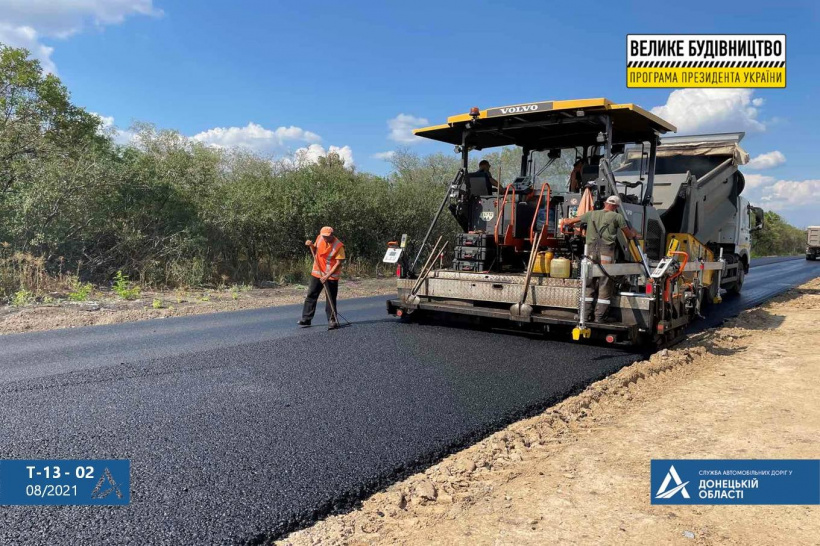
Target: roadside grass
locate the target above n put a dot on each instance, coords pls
(28, 280)
(80, 291)
(124, 288)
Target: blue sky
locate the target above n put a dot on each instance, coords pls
(356, 77)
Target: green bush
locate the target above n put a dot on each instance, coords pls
(22, 298)
(123, 288)
(79, 290)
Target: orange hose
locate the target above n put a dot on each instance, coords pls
(676, 275)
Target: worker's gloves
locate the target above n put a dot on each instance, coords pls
(308, 243)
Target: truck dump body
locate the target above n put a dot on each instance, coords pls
(697, 191)
(812, 242)
(697, 183)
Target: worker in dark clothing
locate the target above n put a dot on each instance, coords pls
(484, 170)
(328, 255)
(575, 181)
(602, 235)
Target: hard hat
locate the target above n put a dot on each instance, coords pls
(327, 231)
(613, 200)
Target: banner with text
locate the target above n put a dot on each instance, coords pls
(735, 481)
(706, 60)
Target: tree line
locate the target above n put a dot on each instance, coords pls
(169, 211)
(778, 237)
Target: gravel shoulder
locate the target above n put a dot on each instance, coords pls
(108, 309)
(579, 472)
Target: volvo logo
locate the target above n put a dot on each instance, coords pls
(519, 109)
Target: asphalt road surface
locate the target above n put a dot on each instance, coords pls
(240, 426)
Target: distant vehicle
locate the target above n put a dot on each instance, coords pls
(514, 264)
(812, 242)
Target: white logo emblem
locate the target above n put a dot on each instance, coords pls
(663, 493)
(98, 494)
(487, 215)
(519, 109)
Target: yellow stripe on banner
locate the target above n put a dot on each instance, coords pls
(706, 77)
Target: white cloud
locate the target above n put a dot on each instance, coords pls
(120, 136)
(758, 180)
(767, 160)
(790, 194)
(62, 18)
(26, 22)
(712, 110)
(256, 138)
(401, 128)
(384, 156)
(312, 153)
(252, 137)
(27, 37)
(798, 199)
(274, 143)
(107, 121)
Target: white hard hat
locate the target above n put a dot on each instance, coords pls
(613, 200)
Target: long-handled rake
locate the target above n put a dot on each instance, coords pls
(334, 315)
(523, 310)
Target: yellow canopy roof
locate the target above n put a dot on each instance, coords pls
(550, 124)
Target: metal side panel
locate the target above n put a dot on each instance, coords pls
(543, 291)
(630, 301)
(615, 270)
(510, 278)
(496, 288)
(547, 296)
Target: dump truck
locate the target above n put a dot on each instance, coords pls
(812, 242)
(515, 264)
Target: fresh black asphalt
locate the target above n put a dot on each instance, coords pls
(240, 426)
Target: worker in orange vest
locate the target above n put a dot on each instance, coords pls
(328, 255)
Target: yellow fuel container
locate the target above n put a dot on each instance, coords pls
(542, 262)
(560, 268)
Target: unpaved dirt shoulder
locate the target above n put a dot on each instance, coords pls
(579, 472)
(176, 303)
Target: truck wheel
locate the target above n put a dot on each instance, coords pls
(737, 286)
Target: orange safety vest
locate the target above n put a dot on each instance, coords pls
(327, 256)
